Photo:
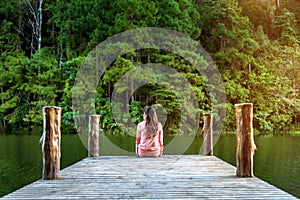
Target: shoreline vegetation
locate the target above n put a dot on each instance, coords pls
(254, 45)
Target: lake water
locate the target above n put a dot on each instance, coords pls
(277, 160)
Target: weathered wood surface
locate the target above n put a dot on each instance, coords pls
(167, 177)
(93, 145)
(245, 146)
(207, 133)
(51, 142)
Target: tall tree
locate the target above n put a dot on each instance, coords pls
(11, 76)
(36, 23)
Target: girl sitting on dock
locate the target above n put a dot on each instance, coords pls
(149, 136)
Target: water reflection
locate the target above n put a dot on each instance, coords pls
(21, 159)
(277, 160)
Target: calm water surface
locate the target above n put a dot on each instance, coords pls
(21, 159)
(277, 160)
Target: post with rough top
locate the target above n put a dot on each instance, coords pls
(207, 133)
(245, 141)
(94, 135)
(51, 142)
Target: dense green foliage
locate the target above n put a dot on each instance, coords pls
(255, 45)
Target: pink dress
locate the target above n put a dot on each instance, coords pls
(149, 146)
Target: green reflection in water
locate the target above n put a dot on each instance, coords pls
(277, 160)
(21, 159)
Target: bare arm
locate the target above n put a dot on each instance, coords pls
(138, 139)
(161, 139)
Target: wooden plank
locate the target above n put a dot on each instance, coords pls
(168, 177)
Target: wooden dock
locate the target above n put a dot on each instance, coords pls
(168, 177)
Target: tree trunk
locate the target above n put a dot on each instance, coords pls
(108, 89)
(132, 90)
(94, 121)
(127, 92)
(39, 24)
(35, 24)
(207, 133)
(20, 25)
(245, 141)
(2, 101)
(132, 81)
(51, 142)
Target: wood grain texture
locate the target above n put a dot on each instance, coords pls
(207, 133)
(93, 145)
(51, 142)
(245, 146)
(167, 177)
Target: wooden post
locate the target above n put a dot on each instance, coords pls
(94, 135)
(51, 142)
(245, 142)
(207, 133)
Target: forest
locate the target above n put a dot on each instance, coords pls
(255, 45)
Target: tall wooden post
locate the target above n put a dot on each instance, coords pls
(94, 135)
(245, 142)
(207, 133)
(51, 142)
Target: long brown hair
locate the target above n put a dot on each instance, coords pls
(151, 121)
